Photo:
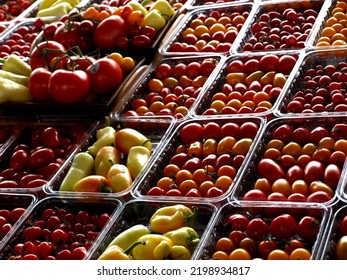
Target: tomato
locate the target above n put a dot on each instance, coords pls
(283, 226)
(332, 175)
(294, 173)
(255, 194)
(105, 76)
(192, 164)
(19, 160)
(163, 70)
(249, 245)
(268, 62)
(308, 228)
(41, 157)
(51, 137)
(301, 135)
(191, 132)
(318, 133)
(141, 41)
(341, 248)
(15, 214)
(286, 64)
(230, 129)
(342, 226)
(257, 229)
(212, 130)
(108, 31)
(248, 130)
(339, 131)
(319, 196)
(313, 171)
(44, 52)
(270, 170)
(265, 247)
(283, 132)
(293, 244)
(238, 221)
(80, 62)
(38, 84)
(69, 87)
(68, 34)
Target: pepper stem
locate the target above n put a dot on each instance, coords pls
(132, 246)
(191, 217)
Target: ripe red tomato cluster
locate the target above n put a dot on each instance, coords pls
(173, 88)
(280, 26)
(8, 217)
(271, 234)
(206, 160)
(33, 161)
(212, 31)
(57, 233)
(300, 163)
(10, 9)
(252, 84)
(321, 88)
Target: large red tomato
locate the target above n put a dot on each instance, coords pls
(38, 84)
(69, 86)
(68, 34)
(44, 52)
(105, 76)
(108, 32)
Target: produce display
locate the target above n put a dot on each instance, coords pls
(245, 232)
(247, 84)
(173, 130)
(147, 230)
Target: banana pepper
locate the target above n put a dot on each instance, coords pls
(154, 19)
(105, 158)
(156, 247)
(129, 137)
(11, 91)
(20, 79)
(137, 159)
(92, 183)
(58, 10)
(115, 252)
(16, 65)
(185, 236)
(179, 252)
(164, 7)
(173, 217)
(119, 177)
(82, 166)
(129, 236)
(105, 136)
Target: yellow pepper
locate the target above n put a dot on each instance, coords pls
(129, 137)
(156, 247)
(105, 158)
(169, 218)
(137, 159)
(185, 236)
(105, 136)
(119, 177)
(164, 7)
(20, 79)
(92, 183)
(129, 236)
(11, 91)
(58, 10)
(115, 252)
(154, 19)
(138, 7)
(179, 252)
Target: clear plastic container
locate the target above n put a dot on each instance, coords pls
(172, 153)
(93, 208)
(156, 129)
(322, 23)
(138, 211)
(297, 151)
(183, 89)
(10, 203)
(227, 96)
(312, 94)
(249, 41)
(195, 4)
(260, 243)
(23, 173)
(222, 45)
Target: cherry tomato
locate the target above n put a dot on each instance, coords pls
(41, 157)
(257, 229)
(44, 52)
(238, 221)
(283, 133)
(191, 132)
(308, 228)
(339, 131)
(270, 170)
(283, 226)
(19, 160)
(313, 171)
(38, 84)
(68, 34)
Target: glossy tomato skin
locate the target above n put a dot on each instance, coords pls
(257, 229)
(270, 170)
(69, 87)
(38, 84)
(313, 171)
(107, 33)
(238, 221)
(105, 76)
(308, 228)
(68, 35)
(283, 226)
(283, 133)
(44, 52)
(191, 132)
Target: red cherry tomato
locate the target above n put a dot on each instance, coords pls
(191, 132)
(270, 170)
(283, 226)
(308, 228)
(38, 84)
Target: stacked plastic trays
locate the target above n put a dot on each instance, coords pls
(238, 115)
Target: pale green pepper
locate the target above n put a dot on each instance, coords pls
(14, 92)
(179, 252)
(58, 10)
(129, 236)
(105, 158)
(16, 65)
(164, 8)
(82, 166)
(154, 19)
(137, 159)
(185, 236)
(138, 7)
(105, 136)
(115, 252)
(20, 79)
